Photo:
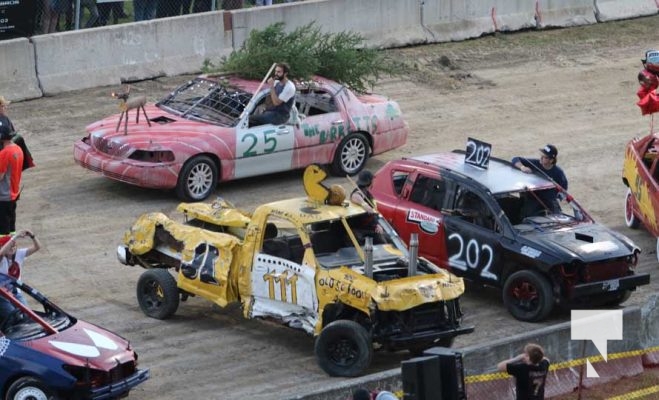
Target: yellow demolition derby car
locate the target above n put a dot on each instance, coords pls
(317, 263)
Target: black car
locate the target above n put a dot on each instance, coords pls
(490, 224)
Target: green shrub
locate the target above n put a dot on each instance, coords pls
(338, 56)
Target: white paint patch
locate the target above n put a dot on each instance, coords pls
(4, 345)
(599, 246)
(77, 349)
(531, 252)
(101, 341)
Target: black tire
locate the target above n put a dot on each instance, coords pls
(197, 179)
(528, 296)
(28, 388)
(157, 293)
(631, 220)
(344, 348)
(351, 155)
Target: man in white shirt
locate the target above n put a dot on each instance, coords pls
(282, 97)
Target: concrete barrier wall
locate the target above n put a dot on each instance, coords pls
(640, 331)
(383, 23)
(514, 15)
(104, 56)
(453, 20)
(107, 55)
(565, 13)
(18, 80)
(608, 10)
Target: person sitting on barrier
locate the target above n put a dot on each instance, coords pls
(530, 371)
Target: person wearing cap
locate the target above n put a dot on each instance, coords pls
(545, 166)
(28, 162)
(11, 168)
(362, 193)
(362, 196)
(12, 257)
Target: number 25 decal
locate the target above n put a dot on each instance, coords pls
(468, 256)
(268, 146)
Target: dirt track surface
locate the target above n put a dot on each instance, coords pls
(574, 88)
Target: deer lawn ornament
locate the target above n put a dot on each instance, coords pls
(126, 105)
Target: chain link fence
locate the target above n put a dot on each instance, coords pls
(34, 17)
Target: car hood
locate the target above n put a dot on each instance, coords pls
(349, 286)
(84, 344)
(165, 132)
(589, 243)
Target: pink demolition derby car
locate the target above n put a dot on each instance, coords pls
(198, 135)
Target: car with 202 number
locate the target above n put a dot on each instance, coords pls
(488, 223)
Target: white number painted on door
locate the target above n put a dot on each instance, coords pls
(468, 256)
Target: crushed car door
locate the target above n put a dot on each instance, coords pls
(322, 123)
(263, 149)
(472, 238)
(282, 286)
(418, 211)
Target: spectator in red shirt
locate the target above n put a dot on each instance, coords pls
(11, 168)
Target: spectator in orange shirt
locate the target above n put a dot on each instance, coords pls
(11, 169)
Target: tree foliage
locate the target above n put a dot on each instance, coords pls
(342, 56)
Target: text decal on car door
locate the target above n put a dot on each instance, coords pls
(468, 256)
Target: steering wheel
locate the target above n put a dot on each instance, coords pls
(13, 318)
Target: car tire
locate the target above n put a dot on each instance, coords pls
(344, 348)
(197, 179)
(528, 296)
(157, 293)
(351, 155)
(631, 220)
(29, 388)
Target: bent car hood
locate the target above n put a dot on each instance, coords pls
(590, 242)
(166, 129)
(394, 295)
(141, 237)
(84, 344)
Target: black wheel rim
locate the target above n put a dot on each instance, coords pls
(524, 295)
(153, 296)
(343, 352)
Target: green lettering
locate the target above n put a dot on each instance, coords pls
(356, 121)
(308, 130)
(342, 132)
(333, 133)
